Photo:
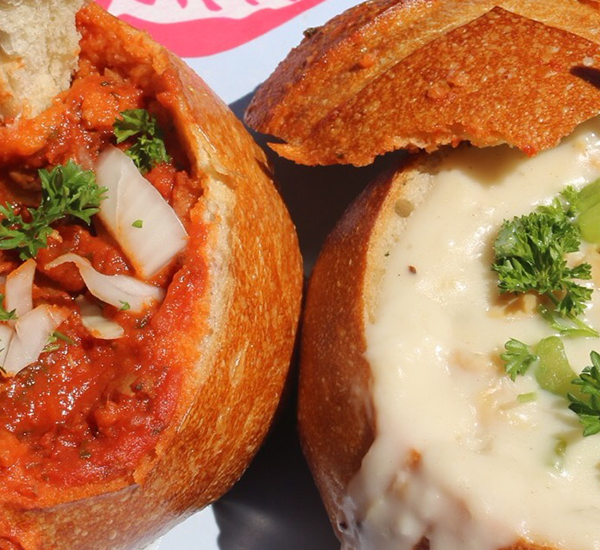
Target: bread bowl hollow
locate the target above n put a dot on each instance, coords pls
(352, 371)
(162, 421)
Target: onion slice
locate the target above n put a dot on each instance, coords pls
(30, 336)
(97, 325)
(6, 334)
(116, 290)
(19, 288)
(136, 215)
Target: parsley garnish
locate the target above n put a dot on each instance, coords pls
(138, 224)
(66, 191)
(52, 344)
(60, 336)
(125, 306)
(149, 147)
(589, 385)
(4, 314)
(517, 358)
(530, 257)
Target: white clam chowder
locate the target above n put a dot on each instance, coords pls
(487, 473)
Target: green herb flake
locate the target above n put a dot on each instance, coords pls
(527, 397)
(53, 345)
(60, 336)
(138, 224)
(126, 306)
(148, 148)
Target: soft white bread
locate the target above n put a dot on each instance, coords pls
(336, 415)
(38, 53)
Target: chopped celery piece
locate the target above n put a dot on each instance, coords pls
(588, 205)
(589, 196)
(553, 372)
(589, 224)
(527, 397)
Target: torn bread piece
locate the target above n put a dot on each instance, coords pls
(39, 43)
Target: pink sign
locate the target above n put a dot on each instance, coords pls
(196, 28)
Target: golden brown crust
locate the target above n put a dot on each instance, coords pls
(335, 411)
(423, 73)
(248, 314)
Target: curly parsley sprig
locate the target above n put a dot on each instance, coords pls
(517, 358)
(67, 190)
(530, 256)
(588, 409)
(149, 147)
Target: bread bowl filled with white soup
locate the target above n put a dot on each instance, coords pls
(450, 367)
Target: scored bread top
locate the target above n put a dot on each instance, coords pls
(390, 74)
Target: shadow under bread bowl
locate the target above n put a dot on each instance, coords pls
(415, 433)
(107, 443)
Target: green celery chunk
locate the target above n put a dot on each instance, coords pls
(553, 371)
(589, 224)
(588, 205)
(589, 195)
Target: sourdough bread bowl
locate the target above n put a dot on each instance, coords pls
(171, 315)
(416, 433)
(385, 75)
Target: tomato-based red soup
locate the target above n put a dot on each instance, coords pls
(90, 369)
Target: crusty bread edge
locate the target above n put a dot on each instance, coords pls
(336, 417)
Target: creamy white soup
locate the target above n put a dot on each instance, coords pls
(464, 455)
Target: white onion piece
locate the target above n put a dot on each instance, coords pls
(6, 334)
(97, 325)
(131, 198)
(116, 290)
(19, 288)
(31, 335)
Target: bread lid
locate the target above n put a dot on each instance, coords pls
(398, 74)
